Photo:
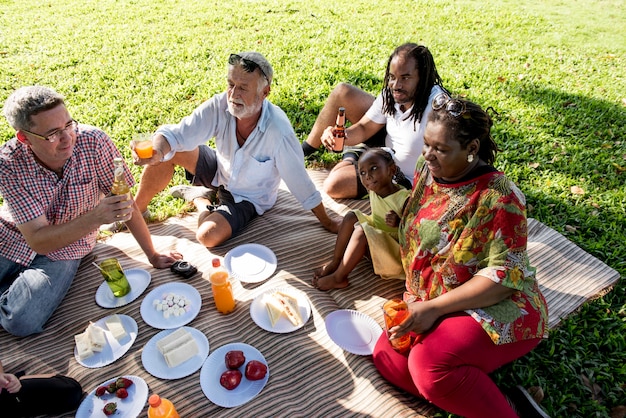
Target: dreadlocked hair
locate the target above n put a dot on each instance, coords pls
(428, 77)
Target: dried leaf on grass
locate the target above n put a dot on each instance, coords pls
(596, 390)
(577, 190)
(618, 412)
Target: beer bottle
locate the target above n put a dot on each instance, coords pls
(339, 131)
(120, 186)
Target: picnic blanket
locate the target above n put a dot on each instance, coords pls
(309, 374)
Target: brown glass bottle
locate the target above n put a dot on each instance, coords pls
(339, 131)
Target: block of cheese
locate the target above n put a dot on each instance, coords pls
(114, 324)
(83, 346)
(96, 337)
(177, 347)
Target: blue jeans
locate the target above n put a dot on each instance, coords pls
(29, 295)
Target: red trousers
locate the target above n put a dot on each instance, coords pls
(450, 367)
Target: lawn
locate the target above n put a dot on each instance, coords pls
(554, 72)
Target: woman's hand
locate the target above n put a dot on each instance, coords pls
(422, 316)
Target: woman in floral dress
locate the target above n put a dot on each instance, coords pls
(474, 302)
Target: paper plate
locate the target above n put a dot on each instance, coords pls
(258, 311)
(114, 349)
(213, 368)
(156, 319)
(130, 407)
(138, 279)
(154, 362)
(353, 331)
(250, 263)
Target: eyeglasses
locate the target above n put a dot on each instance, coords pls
(247, 64)
(55, 135)
(454, 107)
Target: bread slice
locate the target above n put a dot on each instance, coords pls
(179, 334)
(274, 308)
(291, 309)
(177, 347)
(181, 353)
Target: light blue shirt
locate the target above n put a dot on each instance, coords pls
(252, 172)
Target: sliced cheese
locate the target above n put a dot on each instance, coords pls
(181, 353)
(114, 324)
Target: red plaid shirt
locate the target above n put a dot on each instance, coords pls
(30, 191)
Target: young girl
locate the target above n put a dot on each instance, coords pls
(376, 234)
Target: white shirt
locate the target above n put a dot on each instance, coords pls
(252, 172)
(404, 136)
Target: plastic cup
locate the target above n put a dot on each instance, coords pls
(143, 148)
(114, 276)
(395, 311)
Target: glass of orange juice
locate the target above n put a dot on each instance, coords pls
(395, 311)
(143, 146)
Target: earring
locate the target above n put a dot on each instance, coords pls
(470, 158)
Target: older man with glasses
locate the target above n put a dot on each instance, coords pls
(54, 176)
(255, 147)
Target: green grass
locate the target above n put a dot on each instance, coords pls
(553, 70)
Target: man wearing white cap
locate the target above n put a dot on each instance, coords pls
(255, 147)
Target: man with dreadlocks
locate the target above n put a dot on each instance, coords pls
(393, 119)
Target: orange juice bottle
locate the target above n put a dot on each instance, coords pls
(161, 408)
(395, 311)
(222, 289)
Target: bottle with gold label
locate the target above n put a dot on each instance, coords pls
(120, 186)
(339, 131)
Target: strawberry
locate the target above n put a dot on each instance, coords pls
(121, 393)
(123, 382)
(110, 408)
(100, 391)
(112, 387)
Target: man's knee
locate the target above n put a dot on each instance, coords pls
(21, 326)
(211, 234)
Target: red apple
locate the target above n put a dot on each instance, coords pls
(230, 379)
(255, 370)
(235, 359)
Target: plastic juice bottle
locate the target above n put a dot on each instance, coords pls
(161, 408)
(222, 289)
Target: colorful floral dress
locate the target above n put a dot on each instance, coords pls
(451, 232)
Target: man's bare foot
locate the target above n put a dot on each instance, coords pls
(325, 270)
(330, 282)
